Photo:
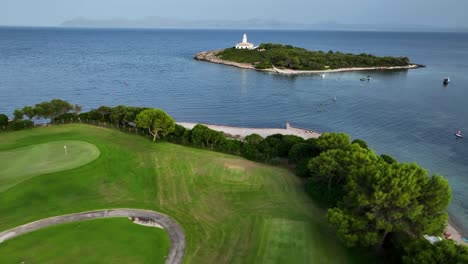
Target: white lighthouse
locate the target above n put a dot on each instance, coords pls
(244, 44)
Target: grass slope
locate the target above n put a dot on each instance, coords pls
(232, 210)
(114, 240)
(20, 164)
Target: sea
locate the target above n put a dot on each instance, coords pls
(407, 114)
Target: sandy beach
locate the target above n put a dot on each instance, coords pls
(210, 56)
(242, 132)
(456, 236)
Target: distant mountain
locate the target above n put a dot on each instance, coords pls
(162, 22)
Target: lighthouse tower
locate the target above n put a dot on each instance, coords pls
(244, 44)
(244, 38)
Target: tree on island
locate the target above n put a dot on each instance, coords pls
(156, 121)
(295, 58)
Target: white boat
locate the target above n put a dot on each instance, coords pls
(322, 75)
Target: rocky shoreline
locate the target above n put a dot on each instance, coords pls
(211, 56)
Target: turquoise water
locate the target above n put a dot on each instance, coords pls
(407, 114)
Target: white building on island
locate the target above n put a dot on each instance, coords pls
(244, 44)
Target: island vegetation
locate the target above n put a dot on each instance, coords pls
(377, 205)
(268, 55)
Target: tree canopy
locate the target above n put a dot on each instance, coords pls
(52, 109)
(29, 111)
(3, 120)
(18, 114)
(329, 141)
(156, 121)
(287, 56)
(445, 251)
(382, 198)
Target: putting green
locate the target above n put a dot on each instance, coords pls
(20, 164)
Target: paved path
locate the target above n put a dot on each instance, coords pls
(176, 234)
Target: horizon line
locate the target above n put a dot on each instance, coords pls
(429, 30)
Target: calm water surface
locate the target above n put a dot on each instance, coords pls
(406, 114)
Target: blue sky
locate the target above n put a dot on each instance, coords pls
(435, 13)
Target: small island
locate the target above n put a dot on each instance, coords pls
(287, 59)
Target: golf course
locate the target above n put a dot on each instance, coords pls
(231, 210)
(88, 242)
(38, 159)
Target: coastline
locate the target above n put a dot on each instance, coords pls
(210, 56)
(242, 132)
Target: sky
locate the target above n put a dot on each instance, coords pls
(431, 13)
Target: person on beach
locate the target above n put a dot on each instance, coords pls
(447, 235)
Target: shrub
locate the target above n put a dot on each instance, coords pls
(20, 124)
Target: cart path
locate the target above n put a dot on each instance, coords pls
(176, 234)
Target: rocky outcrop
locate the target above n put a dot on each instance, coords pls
(212, 56)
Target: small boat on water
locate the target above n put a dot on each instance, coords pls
(322, 75)
(367, 78)
(446, 81)
(459, 134)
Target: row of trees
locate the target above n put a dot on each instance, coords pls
(372, 200)
(287, 56)
(45, 110)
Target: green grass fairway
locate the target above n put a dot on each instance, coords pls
(114, 240)
(232, 210)
(17, 165)
(283, 240)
